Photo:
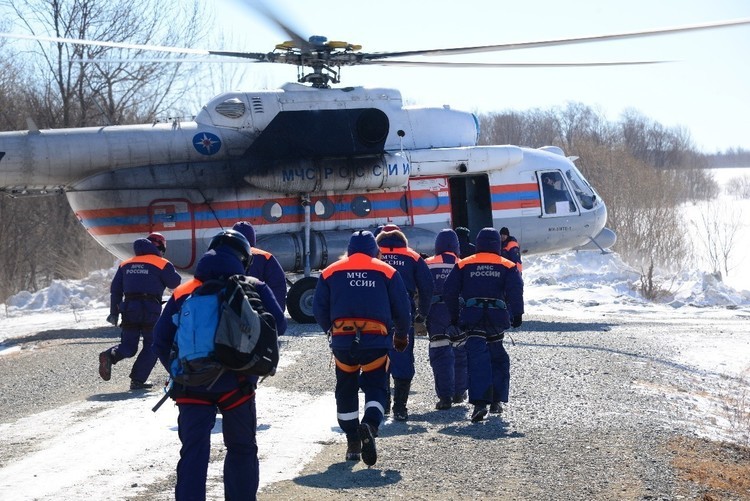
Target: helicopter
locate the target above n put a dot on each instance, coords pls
(309, 163)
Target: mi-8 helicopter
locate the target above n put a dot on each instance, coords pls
(307, 164)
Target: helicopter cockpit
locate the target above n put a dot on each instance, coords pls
(567, 194)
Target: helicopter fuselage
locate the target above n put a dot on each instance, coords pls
(307, 167)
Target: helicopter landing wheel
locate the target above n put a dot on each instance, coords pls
(299, 300)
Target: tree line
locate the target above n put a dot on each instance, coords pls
(55, 85)
(732, 157)
(642, 169)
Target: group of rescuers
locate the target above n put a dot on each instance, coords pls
(371, 303)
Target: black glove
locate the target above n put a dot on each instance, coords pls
(112, 318)
(454, 333)
(400, 343)
(517, 320)
(420, 327)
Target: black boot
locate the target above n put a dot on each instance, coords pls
(401, 389)
(105, 364)
(353, 448)
(443, 403)
(480, 410)
(367, 439)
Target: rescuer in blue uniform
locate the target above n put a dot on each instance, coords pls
(264, 265)
(232, 394)
(135, 293)
(510, 248)
(476, 292)
(395, 250)
(448, 362)
(360, 301)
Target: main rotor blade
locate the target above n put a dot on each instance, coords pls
(510, 65)
(187, 60)
(101, 43)
(554, 43)
(260, 7)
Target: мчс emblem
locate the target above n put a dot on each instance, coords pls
(206, 143)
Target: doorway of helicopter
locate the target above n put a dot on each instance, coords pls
(471, 205)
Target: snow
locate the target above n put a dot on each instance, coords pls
(67, 457)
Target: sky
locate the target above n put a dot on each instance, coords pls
(71, 462)
(706, 91)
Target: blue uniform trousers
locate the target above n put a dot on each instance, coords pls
(355, 370)
(448, 368)
(460, 370)
(138, 320)
(241, 471)
(480, 370)
(146, 359)
(402, 363)
(500, 371)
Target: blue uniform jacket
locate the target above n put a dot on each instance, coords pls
(363, 287)
(141, 279)
(410, 265)
(511, 250)
(213, 265)
(440, 267)
(483, 275)
(267, 268)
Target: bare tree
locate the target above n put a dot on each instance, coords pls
(57, 86)
(79, 85)
(739, 187)
(719, 224)
(533, 128)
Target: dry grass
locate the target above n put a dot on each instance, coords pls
(736, 406)
(721, 471)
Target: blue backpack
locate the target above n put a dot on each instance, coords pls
(223, 326)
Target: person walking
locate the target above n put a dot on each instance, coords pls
(231, 394)
(395, 250)
(510, 248)
(448, 362)
(264, 265)
(136, 295)
(362, 303)
(476, 293)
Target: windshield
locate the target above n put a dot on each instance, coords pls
(583, 192)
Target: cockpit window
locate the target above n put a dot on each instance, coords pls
(582, 190)
(557, 198)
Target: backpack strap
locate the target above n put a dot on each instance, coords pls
(236, 397)
(224, 401)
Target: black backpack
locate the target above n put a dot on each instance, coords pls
(224, 326)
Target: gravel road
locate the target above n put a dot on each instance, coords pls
(600, 409)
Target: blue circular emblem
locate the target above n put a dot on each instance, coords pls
(206, 143)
